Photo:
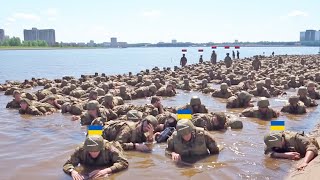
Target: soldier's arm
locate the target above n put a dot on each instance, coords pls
(306, 143)
(123, 138)
(247, 112)
(211, 143)
(285, 109)
(170, 146)
(118, 159)
(36, 112)
(73, 161)
(9, 104)
(42, 109)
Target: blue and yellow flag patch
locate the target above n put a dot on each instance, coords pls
(277, 126)
(184, 114)
(94, 130)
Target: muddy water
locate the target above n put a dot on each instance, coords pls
(37, 147)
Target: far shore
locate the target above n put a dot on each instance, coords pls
(63, 48)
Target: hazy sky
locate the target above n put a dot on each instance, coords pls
(153, 21)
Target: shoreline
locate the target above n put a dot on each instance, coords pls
(6, 48)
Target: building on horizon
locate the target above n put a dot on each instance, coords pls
(174, 41)
(317, 36)
(2, 36)
(302, 36)
(91, 43)
(113, 42)
(35, 34)
(310, 35)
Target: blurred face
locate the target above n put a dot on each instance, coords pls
(215, 121)
(145, 127)
(93, 97)
(311, 88)
(263, 110)
(169, 88)
(23, 105)
(50, 101)
(196, 107)
(94, 154)
(17, 97)
(187, 137)
(93, 112)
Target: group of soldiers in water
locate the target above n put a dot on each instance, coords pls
(100, 100)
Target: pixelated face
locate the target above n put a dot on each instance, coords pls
(23, 105)
(263, 110)
(93, 97)
(187, 137)
(145, 125)
(215, 121)
(169, 88)
(93, 112)
(311, 88)
(94, 154)
(17, 97)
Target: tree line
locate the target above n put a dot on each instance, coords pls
(15, 41)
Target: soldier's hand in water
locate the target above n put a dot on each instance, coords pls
(175, 157)
(76, 176)
(142, 147)
(102, 173)
(292, 155)
(302, 166)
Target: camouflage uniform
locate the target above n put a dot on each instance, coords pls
(256, 63)
(313, 94)
(15, 104)
(195, 101)
(201, 141)
(164, 92)
(293, 83)
(272, 89)
(122, 109)
(307, 101)
(294, 106)
(185, 86)
(206, 121)
(256, 112)
(36, 108)
(110, 155)
(294, 142)
(224, 92)
(105, 114)
(72, 108)
(123, 93)
(241, 100)
(260, 91)
(127, 133)
(148, 109)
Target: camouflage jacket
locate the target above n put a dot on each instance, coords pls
(110, 156)
(308, 102)
(13, 104)
(254, 112)
(124, 132)
(314, 94)
(219, 94)
(201, 141)
(263, 93)
(300, 109)
(295, 142)
(105, 114)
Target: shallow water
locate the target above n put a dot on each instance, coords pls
(24, 64)
(37, 147)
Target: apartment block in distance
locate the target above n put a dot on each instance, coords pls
(35, 34)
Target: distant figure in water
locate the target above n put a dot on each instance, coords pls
(273, 53)
(201, 59)
(228, 61)
(233, 55)
(213, 57)
(183, 60)
(238, 54)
